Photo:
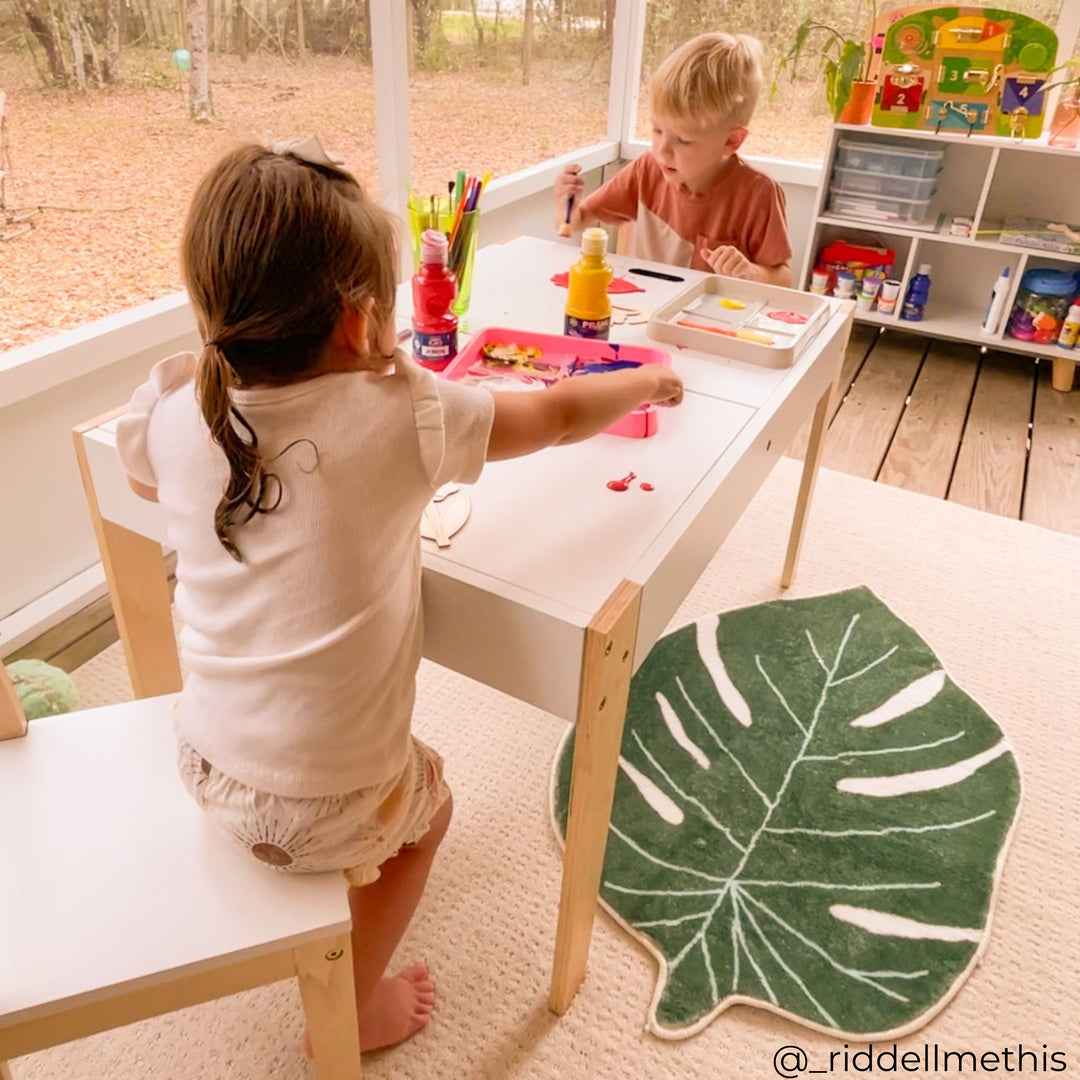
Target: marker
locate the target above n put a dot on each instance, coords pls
(655, 273)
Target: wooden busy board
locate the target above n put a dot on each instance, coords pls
(971, 69)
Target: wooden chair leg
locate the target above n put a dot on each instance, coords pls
(806, 487)
(607, 665)
(139, 590)
(324, 971)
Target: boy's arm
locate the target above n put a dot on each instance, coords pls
(729, 260)
(610, 204)
(768, 247)
(576, 408)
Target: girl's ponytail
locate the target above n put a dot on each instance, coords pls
(247, 479)
(259, 222)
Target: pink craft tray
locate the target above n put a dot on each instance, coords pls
(557, 349)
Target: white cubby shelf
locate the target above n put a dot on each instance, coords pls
(985, 179)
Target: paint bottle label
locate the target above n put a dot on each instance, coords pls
(438, 348)
(586, 328)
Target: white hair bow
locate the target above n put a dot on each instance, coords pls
(307, 149)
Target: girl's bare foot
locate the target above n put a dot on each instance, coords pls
(398, 1007)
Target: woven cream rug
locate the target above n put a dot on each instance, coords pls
(998, 601)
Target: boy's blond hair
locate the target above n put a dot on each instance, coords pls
(712, 78)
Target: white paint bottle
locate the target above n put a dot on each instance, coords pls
(996, 308)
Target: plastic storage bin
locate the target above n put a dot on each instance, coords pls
(1041, 305)
(875, 183)
(896, 158)
(867, 207)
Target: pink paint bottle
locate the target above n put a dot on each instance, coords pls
(434, 287)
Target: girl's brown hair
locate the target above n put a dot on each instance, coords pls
(274, 249)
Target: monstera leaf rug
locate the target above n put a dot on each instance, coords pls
(810, 817)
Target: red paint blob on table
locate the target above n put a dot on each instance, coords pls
(646, 486)
(623, 484)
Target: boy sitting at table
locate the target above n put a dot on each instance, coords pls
(695, 202)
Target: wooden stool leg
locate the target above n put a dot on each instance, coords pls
(806, 487)
(324, 972)
(607, 665)
(1064, 374)
(135, 573)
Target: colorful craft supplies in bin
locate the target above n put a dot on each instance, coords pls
(458, 215)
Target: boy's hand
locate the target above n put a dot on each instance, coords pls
(730, 261)
(568, 184)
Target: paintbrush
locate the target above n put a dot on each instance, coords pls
(564, 228)
(742, 335)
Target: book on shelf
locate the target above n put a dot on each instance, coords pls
(1041, 235)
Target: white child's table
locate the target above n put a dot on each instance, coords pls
(557, 588)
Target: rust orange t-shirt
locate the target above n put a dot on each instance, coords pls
(745, 208)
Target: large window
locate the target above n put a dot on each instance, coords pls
(505, 84)
(113, 167)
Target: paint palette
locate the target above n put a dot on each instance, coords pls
(496, 355)
(743, 320)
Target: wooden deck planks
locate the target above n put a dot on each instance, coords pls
(859, 344)
(865, 423)
(989, 473)
(1052, 490)
(925, 447)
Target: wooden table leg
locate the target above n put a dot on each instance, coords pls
(806, 487)
(139, 591)
(607, 664)
(812, 460)
(324, 973)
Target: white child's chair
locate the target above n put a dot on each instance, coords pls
(119, 902)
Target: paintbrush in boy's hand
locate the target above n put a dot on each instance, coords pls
(564, 228)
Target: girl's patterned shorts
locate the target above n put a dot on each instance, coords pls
(355, 833)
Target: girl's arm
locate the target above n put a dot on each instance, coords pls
(574, 409)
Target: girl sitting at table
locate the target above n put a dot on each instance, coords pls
(293, 458)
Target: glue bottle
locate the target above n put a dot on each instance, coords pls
(588, 307)
(434, 287)
(996, 308)
(1070, 328)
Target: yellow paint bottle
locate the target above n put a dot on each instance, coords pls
(588, 307)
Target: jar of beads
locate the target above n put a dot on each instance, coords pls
(1042, 303)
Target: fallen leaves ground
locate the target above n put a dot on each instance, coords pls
(114, 169)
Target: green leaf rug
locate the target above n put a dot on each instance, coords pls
(810, 816)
